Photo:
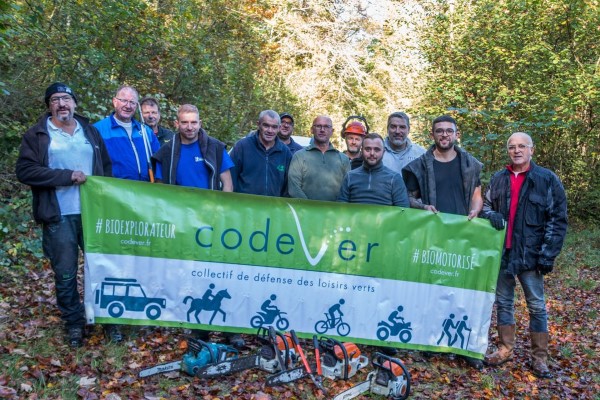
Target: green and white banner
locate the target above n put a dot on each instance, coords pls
(174, 256)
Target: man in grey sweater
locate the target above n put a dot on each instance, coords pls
(373, 183)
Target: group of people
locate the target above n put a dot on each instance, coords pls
(63, 148)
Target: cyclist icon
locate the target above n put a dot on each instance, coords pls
(331, 321)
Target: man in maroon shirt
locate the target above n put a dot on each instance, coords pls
(532, 200)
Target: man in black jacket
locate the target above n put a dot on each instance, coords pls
(532, 200)
(56, 156)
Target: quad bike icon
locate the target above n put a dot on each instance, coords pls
(402, 329)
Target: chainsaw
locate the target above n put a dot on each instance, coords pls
(390, 378)
(199, 355)
(337, 361)
(276, 354)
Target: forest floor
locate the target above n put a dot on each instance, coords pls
(35, 363)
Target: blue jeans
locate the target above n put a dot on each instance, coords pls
(532, 283)
(61, 242)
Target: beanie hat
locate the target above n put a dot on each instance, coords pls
(58, 87)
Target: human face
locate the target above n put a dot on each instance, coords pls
(444, 135)
(372, 151)
(287, 128)
(353, 143)
(125, 103)
(520, 151)
(188, 125)
(322, 129)
(267, 130)
(62, 107)
(398, 133)
(151, 115)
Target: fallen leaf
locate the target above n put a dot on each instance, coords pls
(85, 381)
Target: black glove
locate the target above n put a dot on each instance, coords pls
(545, 269)
(497, 220)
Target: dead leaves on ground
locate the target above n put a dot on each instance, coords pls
(34, 360)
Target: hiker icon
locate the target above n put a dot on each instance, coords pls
(395, 325)
(343, 329)
(268, 314)
(207, 302)
(458, 328)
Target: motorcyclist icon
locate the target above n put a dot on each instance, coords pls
(330, 321)
(270, 313)
(395, 325)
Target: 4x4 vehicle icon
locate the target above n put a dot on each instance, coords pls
(120, 294)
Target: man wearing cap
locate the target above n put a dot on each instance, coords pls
(151, 114)
(286, 131)
(353, 135)
(261, 160)
(56, 156)
(129, 143)
(373, 182)
(317, 171)
(399, 150)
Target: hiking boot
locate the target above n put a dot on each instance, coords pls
(539, 355)
(473, 362)
(388, 351)
(506, 334)
(113, 333)
(75, 337)
(236, 340)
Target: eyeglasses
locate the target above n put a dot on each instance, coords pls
(57, 99)
(519, 146)
(441, 132)
(287, 124)
(129, 102)
(319, 127)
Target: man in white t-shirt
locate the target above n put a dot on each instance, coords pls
(56, 156)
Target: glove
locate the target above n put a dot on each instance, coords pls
(545, 269)
(497, 220)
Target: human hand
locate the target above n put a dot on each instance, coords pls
(430, 208)
(497, 220)
(78, 177)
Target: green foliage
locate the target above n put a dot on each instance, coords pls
(506, 66)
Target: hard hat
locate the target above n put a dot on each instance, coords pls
(355, 128)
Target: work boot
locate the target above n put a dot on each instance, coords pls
(388, 351)
(75, 337)
(113, 333)
(235, 339)
(473, 362)
(539, 354)
(506, 334)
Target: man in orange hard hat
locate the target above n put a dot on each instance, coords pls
(353, 134)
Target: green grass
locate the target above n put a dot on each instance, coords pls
(581, 252)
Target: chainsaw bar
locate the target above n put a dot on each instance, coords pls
(354, 391)
(288, 376)
(229, 366)
(159, 369)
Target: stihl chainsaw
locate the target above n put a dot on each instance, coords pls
(276, 354)
(336, 361)
(390, 378)
(199, 354)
